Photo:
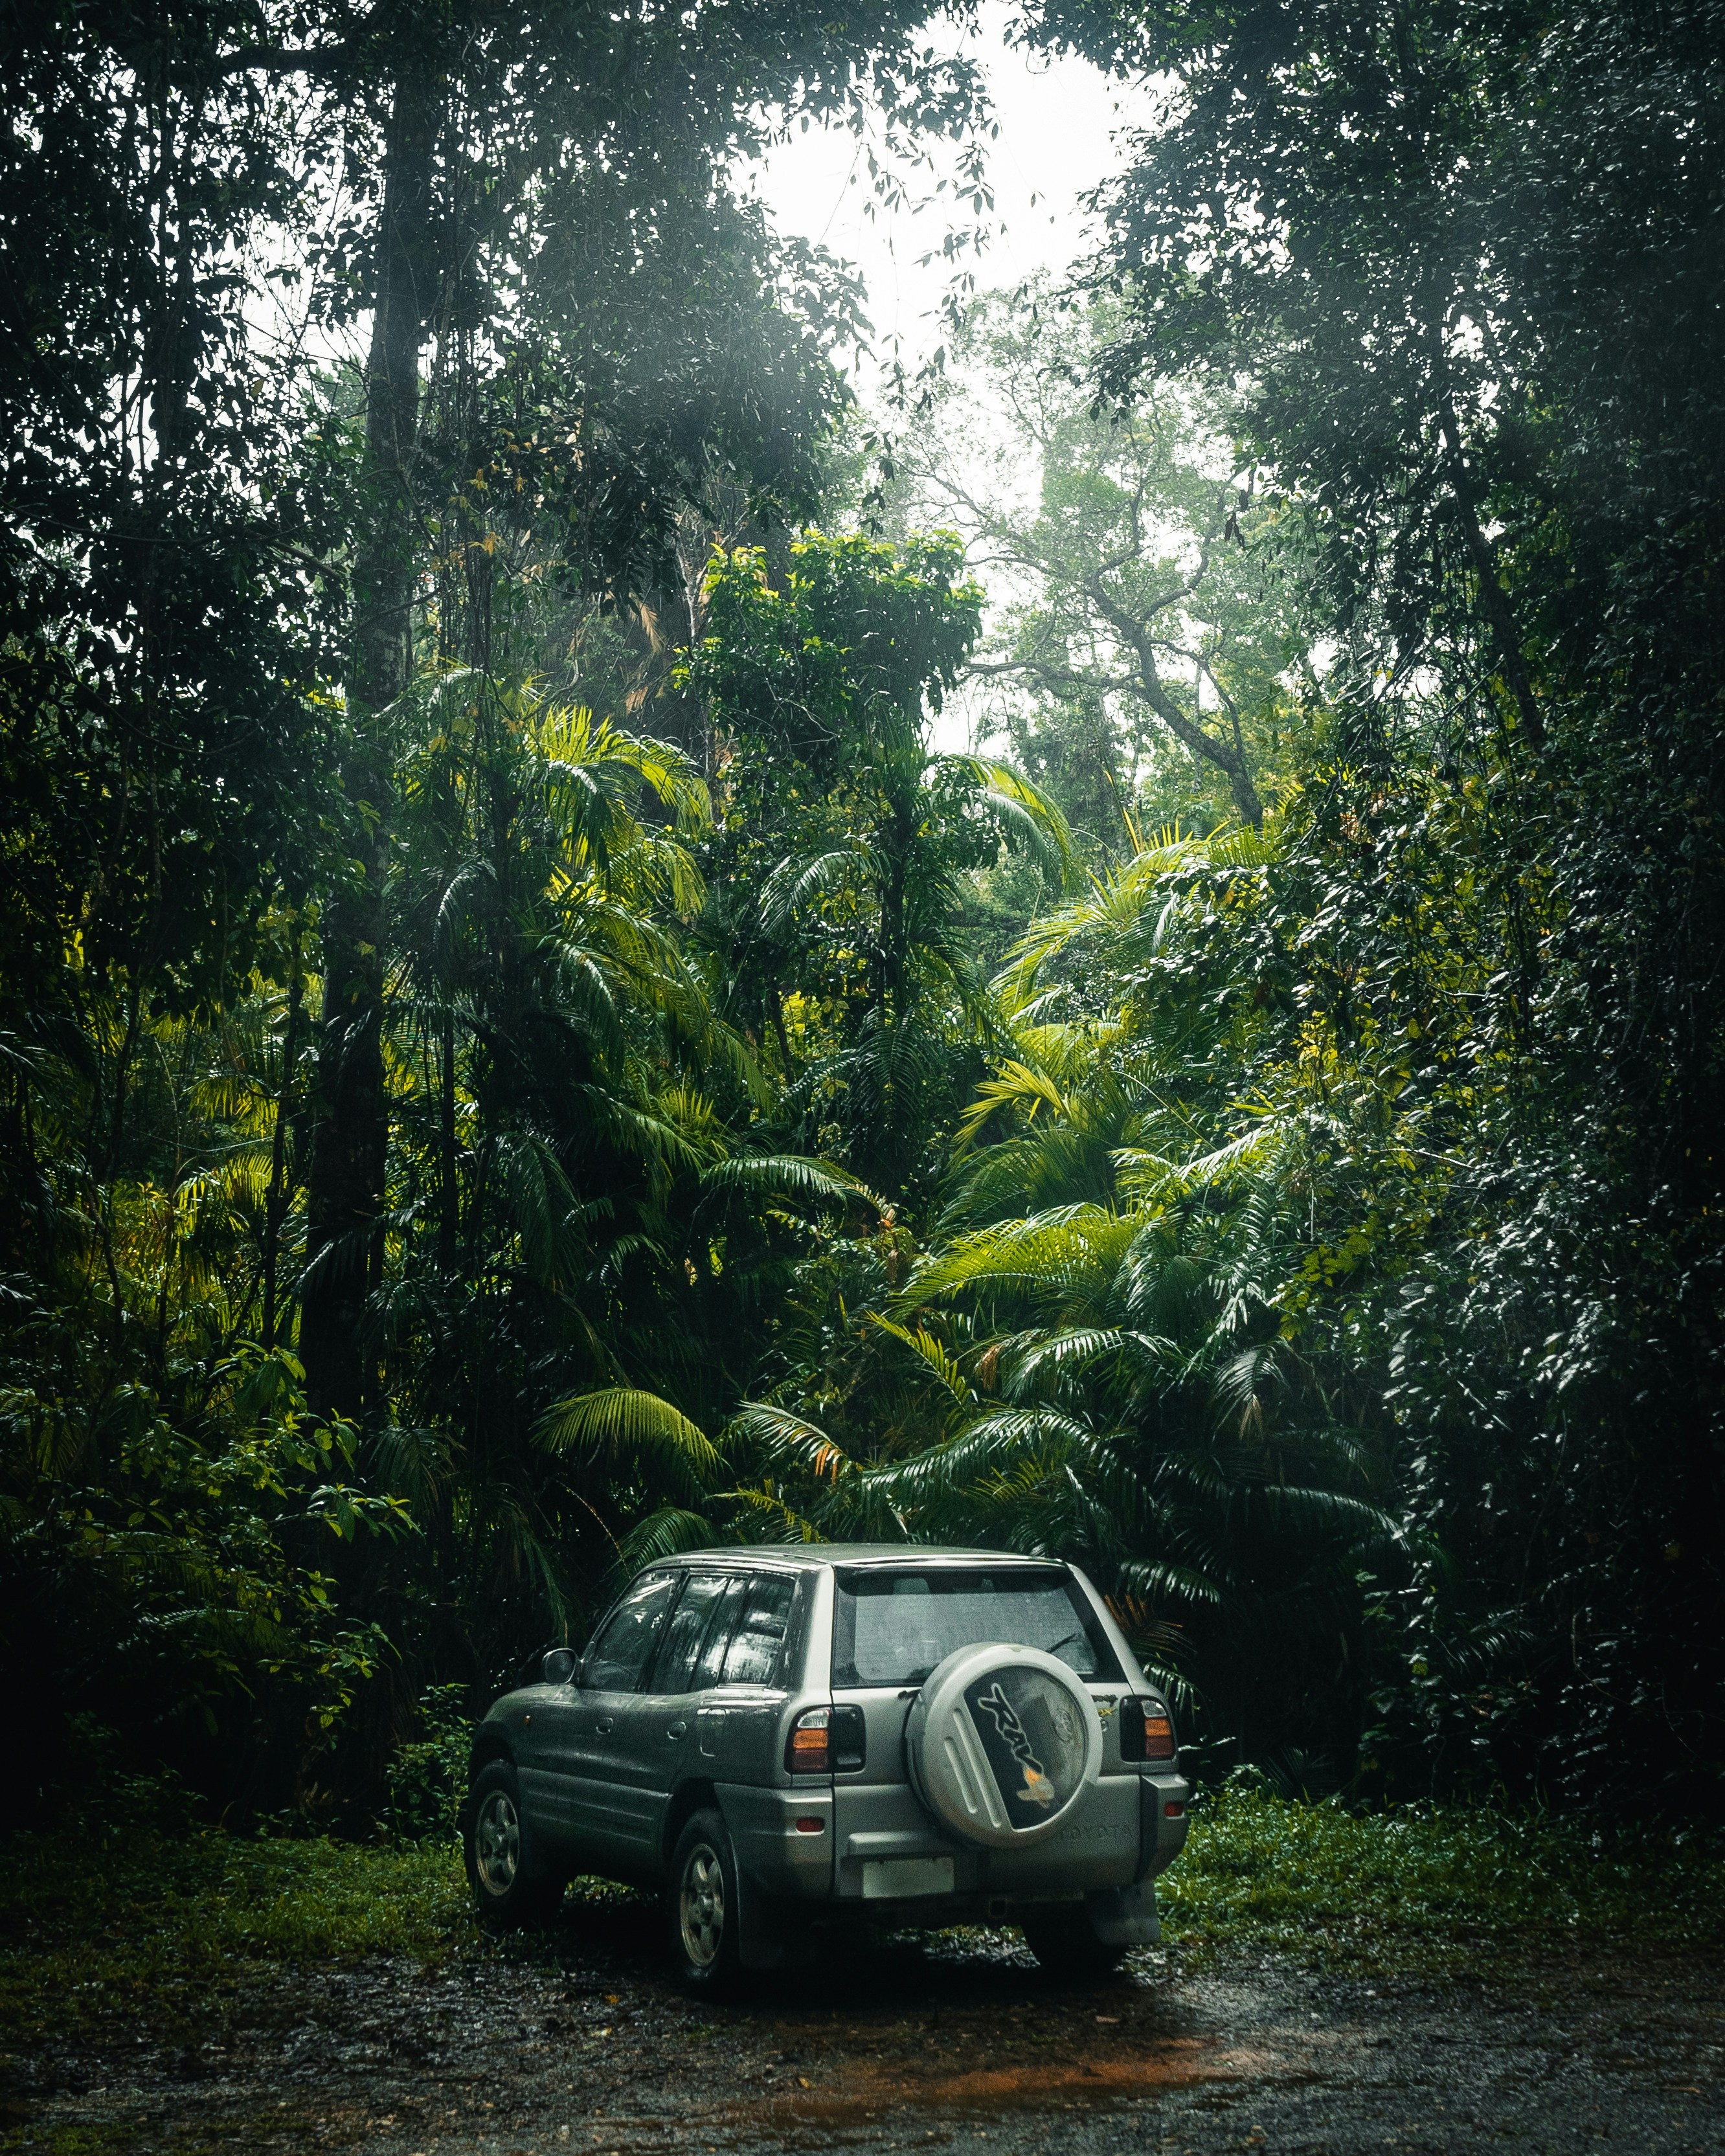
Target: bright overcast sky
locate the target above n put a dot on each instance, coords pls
(1055, 119)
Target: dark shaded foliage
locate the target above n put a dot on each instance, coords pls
(498, 1074)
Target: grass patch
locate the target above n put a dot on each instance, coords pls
(92, 1926)
(1426, 1887)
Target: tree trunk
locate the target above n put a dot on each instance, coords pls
(1228, 759)
(276, 1204)
(345, 1188)
(449, 1193)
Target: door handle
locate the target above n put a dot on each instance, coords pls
(677, 1729)
(603, 1724)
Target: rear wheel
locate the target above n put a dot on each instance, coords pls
(1067, 1946)
(509, 1887)
(704, 1906)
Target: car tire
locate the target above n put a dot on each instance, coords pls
(510, 1887)
(1067, 1947)
(703, 1908)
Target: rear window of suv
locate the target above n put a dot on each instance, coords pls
(893, 1627)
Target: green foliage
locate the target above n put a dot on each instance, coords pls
(850, 644)
(178, 1915)
(1431, 1890)
(1109, 1375)
(846, 840)
(190, 1554)
(346, 1027)
(1430, 262)
(102, 1925)
(427, 1776)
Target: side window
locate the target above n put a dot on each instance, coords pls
(618, 1657)
(679, 1650)
(758, 1642)
(710, 1669)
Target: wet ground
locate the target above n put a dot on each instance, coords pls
(580, 2044)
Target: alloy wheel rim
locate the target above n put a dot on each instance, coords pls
(702, 1906)
(497, 1843)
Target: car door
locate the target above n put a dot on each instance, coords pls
(610, 1817)
(656, 1740)
(740, 1678)
(740, 1715)
(708, 1701)
(547, 1753)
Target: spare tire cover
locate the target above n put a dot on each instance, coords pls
(1002, 1742)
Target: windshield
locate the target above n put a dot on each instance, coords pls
(893, 1627)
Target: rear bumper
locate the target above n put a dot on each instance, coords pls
(779, 1855)
(1165, 1798)
(876, 1852)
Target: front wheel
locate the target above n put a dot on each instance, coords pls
(704, 1906)
(508, 1888)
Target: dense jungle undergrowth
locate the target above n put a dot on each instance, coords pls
(525, 1045)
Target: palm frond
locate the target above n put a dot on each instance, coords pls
(766, 1503)
(788, 1436)
(1029, 814)
(1072, 1250)
(789, 1174)
(624, 1424)
(670, 1531)
(1018, 1086)
(794, 883)
(933, 1358)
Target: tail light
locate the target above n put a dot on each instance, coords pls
(1147, 1730)
(828, 1740)
(808, 1750)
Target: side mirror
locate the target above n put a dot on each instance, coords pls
(560, 1665)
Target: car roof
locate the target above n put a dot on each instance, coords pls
(815, 1556)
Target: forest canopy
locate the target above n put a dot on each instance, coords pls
(523, 1049)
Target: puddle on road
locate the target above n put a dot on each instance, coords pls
(864, 2093)
(915, 2044)
(862, 2099)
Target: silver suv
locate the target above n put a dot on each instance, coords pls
(794, 1740)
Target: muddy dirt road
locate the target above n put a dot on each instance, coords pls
(581, 2047)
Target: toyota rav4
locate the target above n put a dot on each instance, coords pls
(787, 1741)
